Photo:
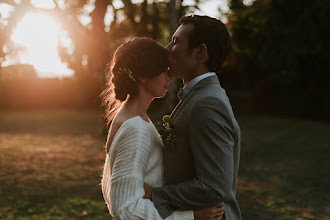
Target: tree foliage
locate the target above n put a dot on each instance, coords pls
(284, 44)
(93, 44)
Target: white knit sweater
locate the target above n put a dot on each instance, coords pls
(135, 157)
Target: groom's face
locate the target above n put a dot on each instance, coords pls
(181, 61)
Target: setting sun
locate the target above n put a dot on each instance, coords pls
(39, 35)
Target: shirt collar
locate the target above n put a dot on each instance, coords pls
(195, 80)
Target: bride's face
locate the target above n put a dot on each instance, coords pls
(158, 86)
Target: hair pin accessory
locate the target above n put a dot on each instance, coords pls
(127, 71)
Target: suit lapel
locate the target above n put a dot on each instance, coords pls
(182, 103)
(191, 93)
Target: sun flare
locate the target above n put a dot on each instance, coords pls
(39, 35)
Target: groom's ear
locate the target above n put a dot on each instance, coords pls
(201, 53)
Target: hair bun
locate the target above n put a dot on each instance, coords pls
(123, 85)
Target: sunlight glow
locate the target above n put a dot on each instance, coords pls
(43, 4)
(248, 2)
(5, 10)
(39, 34)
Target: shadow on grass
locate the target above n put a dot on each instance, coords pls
(58, 208)
(50, 165)
(284, 170)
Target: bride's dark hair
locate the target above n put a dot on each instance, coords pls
(138, 57)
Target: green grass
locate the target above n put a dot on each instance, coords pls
(50, 167)
(284, 170)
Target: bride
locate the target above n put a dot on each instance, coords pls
(137, 75)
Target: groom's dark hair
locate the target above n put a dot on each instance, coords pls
(214, 34)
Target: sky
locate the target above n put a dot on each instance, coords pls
(40, 43)
(211, 8)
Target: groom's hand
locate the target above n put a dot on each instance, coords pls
(214, 212)
(147, 191)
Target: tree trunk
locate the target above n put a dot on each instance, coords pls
(174, 84)
(155, 21)
(98, 54)
(173, 18)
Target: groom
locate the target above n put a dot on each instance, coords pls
(201, 170)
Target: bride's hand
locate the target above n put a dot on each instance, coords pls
(147, 191)
(214, 212)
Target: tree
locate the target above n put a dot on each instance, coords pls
(6, 29)
(94, 43)
(282, 45)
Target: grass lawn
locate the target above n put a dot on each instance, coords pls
(50, 166)
(285, 169)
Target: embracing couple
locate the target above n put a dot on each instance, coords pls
(143, 177)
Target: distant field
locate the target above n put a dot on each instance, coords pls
(50, 167)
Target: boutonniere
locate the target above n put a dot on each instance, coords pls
(166, 131)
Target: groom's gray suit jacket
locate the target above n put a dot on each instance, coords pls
(202, 169)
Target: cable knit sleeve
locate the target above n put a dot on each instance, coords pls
(130, 159)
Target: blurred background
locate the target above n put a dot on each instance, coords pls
(53, 55)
